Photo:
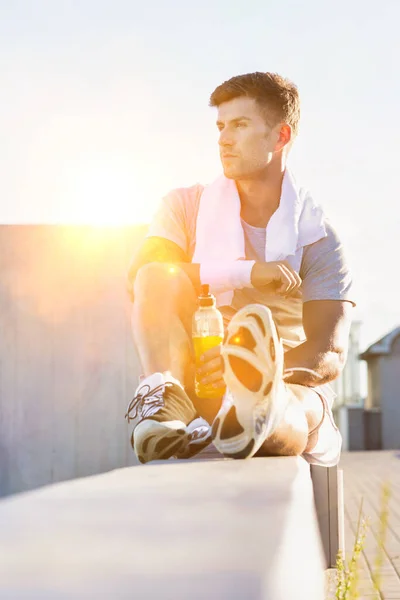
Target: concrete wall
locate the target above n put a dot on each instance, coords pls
(68, 367)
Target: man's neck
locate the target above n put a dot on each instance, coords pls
(260, 196)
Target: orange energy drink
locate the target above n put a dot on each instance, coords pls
(207, 332)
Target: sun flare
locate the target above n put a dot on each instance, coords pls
(105, 195)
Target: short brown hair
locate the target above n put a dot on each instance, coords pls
(272, 92)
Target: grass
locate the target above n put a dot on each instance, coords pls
(382, 534)
(347, 577)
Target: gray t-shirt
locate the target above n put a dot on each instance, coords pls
(324, 269)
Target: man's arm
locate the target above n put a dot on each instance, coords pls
(222, 276)
(159, 249)
(327, 327)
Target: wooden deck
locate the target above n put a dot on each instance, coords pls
(364, 475)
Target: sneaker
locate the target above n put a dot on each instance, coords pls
(256, 397)
(164, 421)
(198, 437)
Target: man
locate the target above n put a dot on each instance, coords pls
(277, 266)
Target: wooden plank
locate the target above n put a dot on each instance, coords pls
(8, 362)
(30, 360)
(365, 472)
(68, 367)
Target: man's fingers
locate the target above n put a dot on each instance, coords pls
(290, 280)
(295, 274)
(210, 354)
(211, 366)
(214, 379)
(287, 281)
(278, 276)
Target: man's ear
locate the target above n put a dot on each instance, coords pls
(284, 137)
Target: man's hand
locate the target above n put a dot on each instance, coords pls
(210, 369)
(327, 327)
(280, 276)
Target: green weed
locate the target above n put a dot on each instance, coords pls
(381, 537)
(347, 571)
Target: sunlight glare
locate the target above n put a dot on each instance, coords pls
(106, 195)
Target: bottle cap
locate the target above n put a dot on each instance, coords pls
(205, 298)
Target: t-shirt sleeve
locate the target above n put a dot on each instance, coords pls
(325, 271)
(169, 220)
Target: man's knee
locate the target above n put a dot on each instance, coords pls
(311, 403)
(158, 280)
(290, 438)
(282, 445)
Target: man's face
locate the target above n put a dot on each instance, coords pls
(246, 142)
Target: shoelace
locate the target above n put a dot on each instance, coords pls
(153, 398)
(147, 401)
(199, 432)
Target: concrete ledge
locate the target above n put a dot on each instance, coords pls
(211, 529)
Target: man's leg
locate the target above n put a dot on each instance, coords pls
(298, 431)
(161, 324)
(164, 303)
(261, 414)
(163, 415)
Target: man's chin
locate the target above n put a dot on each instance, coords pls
(231, 173)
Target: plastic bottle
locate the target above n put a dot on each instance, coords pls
(207, 332)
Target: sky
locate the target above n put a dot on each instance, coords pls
(104, 109)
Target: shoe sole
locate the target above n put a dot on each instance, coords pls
(248, 413)
(160, 441)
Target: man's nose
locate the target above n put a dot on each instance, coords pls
(225, 139)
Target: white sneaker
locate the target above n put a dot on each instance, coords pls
(164, 421)
(198, 436)
(256, 397)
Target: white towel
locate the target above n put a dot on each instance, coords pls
(297, 222)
